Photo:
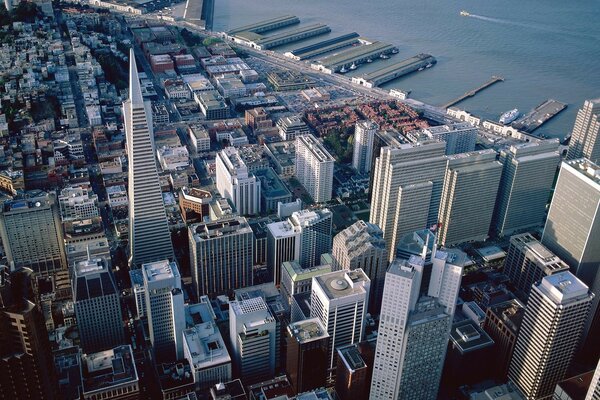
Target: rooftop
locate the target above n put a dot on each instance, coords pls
(160, 270)
(106, 369)
(468, 336)
(216, 229)
(511, 312)
(174, 375)
(315, 147)
(341, 284)
(586, 169)
(307, 330)
(563, 287)
(351, 356)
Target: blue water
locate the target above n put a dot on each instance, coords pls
(543, 48)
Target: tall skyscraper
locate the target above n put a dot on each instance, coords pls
(314, 168)
(585, 137)
(407, 188)
(339, 301)
(164, 308)
(364, 133)
(361, 245)
(306, 361)
(221, 255)
(252, 330)
(97, 306)
(527, 261)
(315, 235)
(283, 238)
(469, 196)
(26, 365)
(236, 183)
(414, 331)
(593, 392)
(460, 137)
(32, 234)
(528, 172)
(554, 320)
(149, 236)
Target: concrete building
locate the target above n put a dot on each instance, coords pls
(585, 137)
(295, 279)
(139, 291)
(528, 171)
(354, 370)
(149, 236)
(527, 261)
(594, 389)
(291, 127)
(272, 190)
(221, 254)
(361, 245)
(164, 308)
(364, 133)
(212, 105)
(283, 155)
(236, 183)
(469, 196)
(339, 300)
(314, 168)
(199, 138)
(407, 188)
(459, 137)
(283, 240)
(556, 313)
(307, 344)
(315, 235)
(110, 374)
(97, 306)
(194, 204)
(252, 330)
(32, 234)
(78, 202)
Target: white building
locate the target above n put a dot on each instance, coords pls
(149, 235)
(164, 308)
(315, 228)
(364, 133)
(117, 196)
(235, 183)
(106, 373)
(339, 300)
(585, 137)
(283, 238)
(314, 168)
(295, 279)
(252, 330)
(459, 137)
(199, 138)
(291, 127)
(78, 202)
(554, 319)
(173, 158)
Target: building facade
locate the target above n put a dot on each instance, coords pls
(307, 344)
(236, 183)
(585, 137)
(315, 235)
(314, 168)
(362, 155)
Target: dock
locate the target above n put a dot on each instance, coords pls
(539, 115)
(494, 79)
(355, 56)
(267, 25)
(262, 42)
(395, 70)
(323, 47)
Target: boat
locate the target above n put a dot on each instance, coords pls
(343, 70)
(353, 67)
(509, 116)
(421, 69)
(384, 56)
(394, 51)
(369, 60)
(465, 13)
(429, 65)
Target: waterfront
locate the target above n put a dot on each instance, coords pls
(543, 48)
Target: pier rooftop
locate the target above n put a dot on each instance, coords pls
(267, 25)
(356, 55)
(395, 70)
(289, 36)
(324, 46)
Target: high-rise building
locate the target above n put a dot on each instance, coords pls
(295, 279)
(585, 137)
(314, 168)
(414, 332)
(26, 365)
(221, 254)
(354, 370)
(527, 261)
(291, 127)
(32, 234)
(469, 196)
(528, 172)
(84, 239)
(361, 245)
(78, 202)
(364, 133)
(459, 137)
(236, 183)
(380, 140)
(164, 308)
(339, 300)
(593, 392)
(315, 235)
(149, 236)
(97, 306)
(307, 344)
(283, 238)
(253, 331)
(556, 312)
(407, 188)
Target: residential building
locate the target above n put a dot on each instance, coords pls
(314, 168)
(361, 245)
(315, 235)
(290, 127)
(364, 134)
(78, 202)
(110, 374)
(585, 137)
(528, 171)
(469, 196)
(236, 183)
(307, 345)
(97, 306)
(221, 254)
(149, 235)
(164, 309)
(554, 320)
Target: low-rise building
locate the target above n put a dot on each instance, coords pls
(199, 138)
(283, 155)
(109, 374)
(212, 105)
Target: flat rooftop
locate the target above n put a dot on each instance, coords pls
(214, 229)
(271, 185)
(350, 55)
(160, 270)
(341, 284)
(307, 330)
(316, 148)
(351, 357)
(263, 26)
(563, 287)
(587, 169)
(392, 68)
(109, 368)
(468, 336)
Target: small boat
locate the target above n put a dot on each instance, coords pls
(369, 60)
(353, 67)
(465, 13)
(384, 56)
(421, 69)
(343, 70)
(394, 51)
(429, 65)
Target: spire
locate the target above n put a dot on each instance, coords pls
(135, 92)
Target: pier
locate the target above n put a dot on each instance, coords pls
(279, 39)
(494, 79)
(395, 70)
(267, 25)
(356, 56)
(539, 115)
(324, 46)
